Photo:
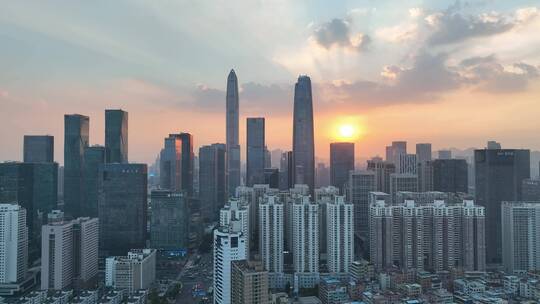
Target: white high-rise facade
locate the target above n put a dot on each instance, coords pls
(271, 233)
(229, 245)
(305, 235)
(69, 253)
(13, 243)
(433, 236)
(339, 235)
(135, 271)
(521, 236)
(237, 211)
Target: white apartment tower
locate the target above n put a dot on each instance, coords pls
(521, 236)
(340, 235)
(69, 253)
(271, 233)
(229, 245)
(305, 235)
(434, 236)
(236, 210)
(13, 243)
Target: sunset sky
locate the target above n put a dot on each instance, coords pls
(455, 74)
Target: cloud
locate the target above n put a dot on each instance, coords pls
(337, 32)
(488, 75)
(452, 27)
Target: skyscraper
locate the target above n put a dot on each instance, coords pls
(450, 175)
(256, 150)
(116, 136)
(177, 163)
(341, 163)
(521, 236)
(232, 143)
(361, 183)
(286, 171)
(382, 170)
(38, 149)
(229, 245)
(94, 157)
(423, 152)
(76, 138)
(403, 182)
(13, 243)
(122, 207)
(34, 187)
(397, 148)
(406, 163)
(170, 220)
(498, 175)
(303, 139)
(305, 235)
(212, 179)
(435, 236)
(340, 235)
(271, 233)
(236, 211)
(69, 254)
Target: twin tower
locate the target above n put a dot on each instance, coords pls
(303, 146)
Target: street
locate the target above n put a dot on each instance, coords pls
(196, 273)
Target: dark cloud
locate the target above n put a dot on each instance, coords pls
(426, 80)
(488, 75)
(337, 32)
(450, 26)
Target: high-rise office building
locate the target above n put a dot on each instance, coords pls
(322, 176)
(271, 177)
(341, 163)
(286, 180)
(498, 177)
(395, 150)
(116, 136)
(13, 243)
(361, 183)
(450, 175)
(237, 211)
(187, 163)
(445, 154)
(521, 236)
(305, 235)
(530, 190)
(436, 236)
(69, 254)
(493, 145)
(249, 283)
(212, 179)
(122, 207)
(382, 170)
(423, 152)
(271, 233)
(169, 222)
(76, 139)
(94, 158)
(33, 186)
(406, 163)
(232, 140)
(424, 171)
(229, 245)
(340, 235)
(38, 149)
(176, 163)
(256, 150)
(403, 182)
(135, 271)
(303, 138)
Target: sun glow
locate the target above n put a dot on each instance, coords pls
(346, 131)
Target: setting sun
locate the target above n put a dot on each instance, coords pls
(346, 131)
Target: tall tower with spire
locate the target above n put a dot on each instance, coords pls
(303, 139)
(233, 145)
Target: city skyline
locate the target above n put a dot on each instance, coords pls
(389, 78)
